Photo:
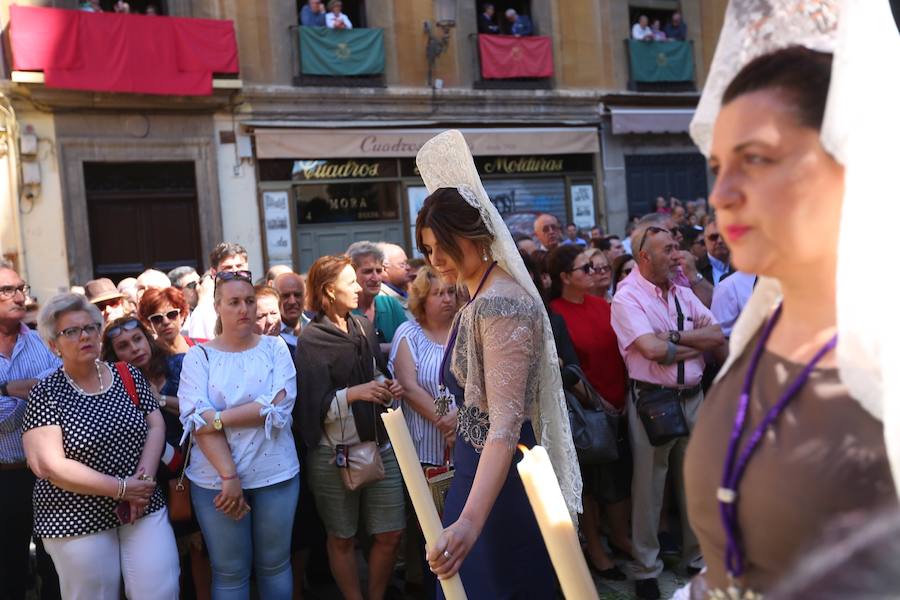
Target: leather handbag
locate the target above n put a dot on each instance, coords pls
(595, 430)
(179, 500)
(180, 509)
(662, 414)
(360, 464)
(660, 410)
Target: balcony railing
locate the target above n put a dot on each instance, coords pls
(510, 62)
(666, 66)
(71, 49)
(338, 57)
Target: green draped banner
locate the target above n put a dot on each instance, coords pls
(341, 51)
(671, 60)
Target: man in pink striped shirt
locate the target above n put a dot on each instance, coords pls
(663, 330)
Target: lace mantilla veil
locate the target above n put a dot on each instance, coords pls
(861, 130)
(446, 162)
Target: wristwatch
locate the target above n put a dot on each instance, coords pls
(3, 390)
(217, 421)
(675, 336)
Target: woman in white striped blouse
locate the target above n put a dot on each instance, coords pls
(416, 363)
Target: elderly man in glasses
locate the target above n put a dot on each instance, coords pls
(24, 360)
(548, 231)
(716, 264)
(663, 329)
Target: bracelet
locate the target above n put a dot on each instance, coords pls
(120, 488)
(124, 488)
(228, 477)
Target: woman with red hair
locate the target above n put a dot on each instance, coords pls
(163, 311)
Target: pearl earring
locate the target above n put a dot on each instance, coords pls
(484, 257)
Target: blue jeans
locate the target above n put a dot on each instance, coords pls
(261, 539)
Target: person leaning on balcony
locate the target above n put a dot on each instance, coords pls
(486, 22)
(313, 14)
(676, 28)
(335, 19)
(519, 25)
(641, 30)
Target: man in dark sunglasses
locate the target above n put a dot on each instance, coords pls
(548, 231)
(187, 280)
(716, 265)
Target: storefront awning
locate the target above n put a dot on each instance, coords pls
(650, 120)
(401, 143)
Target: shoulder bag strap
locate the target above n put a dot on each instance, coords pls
(128, 382)
(680, 328)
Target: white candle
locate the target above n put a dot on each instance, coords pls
(545, 496)
(419, 493)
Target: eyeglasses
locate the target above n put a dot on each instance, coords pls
(652, 230)
(603, 269)
(116, 331)
(713, 237)
(9, 291)
(157, 319)
(191, 285)
(549, 228)
(234, 276)
(586, 268)
(73, 333)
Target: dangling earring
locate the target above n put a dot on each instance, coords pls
(484, 256)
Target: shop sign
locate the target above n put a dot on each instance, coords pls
(346, 202)
(317, 170)
(533, 164)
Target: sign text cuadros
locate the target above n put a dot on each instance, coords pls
(525, 164)
(350, 169)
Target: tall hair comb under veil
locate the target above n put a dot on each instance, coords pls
(859, 128)
(446, 162)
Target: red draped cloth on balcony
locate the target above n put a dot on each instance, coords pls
(510, 57)
(109, 52)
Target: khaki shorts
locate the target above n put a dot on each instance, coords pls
(381, 503)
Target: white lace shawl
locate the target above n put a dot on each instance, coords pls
(446, 162)
(860, 130)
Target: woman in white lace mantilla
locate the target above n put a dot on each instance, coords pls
(502, 374)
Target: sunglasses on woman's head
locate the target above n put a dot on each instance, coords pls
(116, 331)
(234, 276)
(157, 319)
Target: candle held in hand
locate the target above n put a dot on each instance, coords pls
(419, 493)
(545, 496)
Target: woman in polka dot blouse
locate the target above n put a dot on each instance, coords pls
(95, 452)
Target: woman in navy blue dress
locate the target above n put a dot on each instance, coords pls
(503, 376)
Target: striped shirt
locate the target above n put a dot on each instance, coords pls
(30, 359)
(427, 356)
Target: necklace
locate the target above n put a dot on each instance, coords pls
(727, 494)
(445, 399)
(79, 388)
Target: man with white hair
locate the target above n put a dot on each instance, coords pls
(519, 24)
(396, 273)
(24, 360)
(151, 278)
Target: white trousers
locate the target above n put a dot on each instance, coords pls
(92, 566)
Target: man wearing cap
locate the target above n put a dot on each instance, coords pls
(24, 360)
(103, 294)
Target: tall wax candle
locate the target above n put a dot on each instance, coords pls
(419, 493)
(560, 537)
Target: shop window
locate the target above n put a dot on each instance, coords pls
(520, 201)
(139, 7)
(354, 9)
(346, 202)
(523, 7)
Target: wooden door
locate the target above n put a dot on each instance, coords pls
(142, 215)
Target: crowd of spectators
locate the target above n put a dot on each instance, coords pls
(191, 339)
(120, 7)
